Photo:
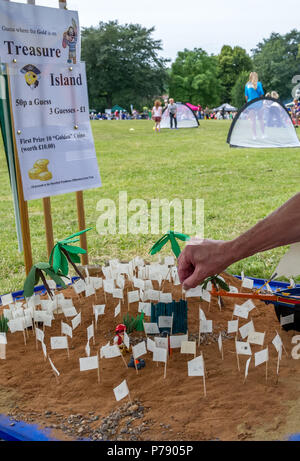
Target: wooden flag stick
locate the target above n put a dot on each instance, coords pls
(204, 384)
(94, 333)
(129, 398)
(24, 337)
(267, 370)
(237, 356)
(124, 361)
(98, 369)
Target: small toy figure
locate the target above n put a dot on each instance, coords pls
(70, 40)
(119, 338)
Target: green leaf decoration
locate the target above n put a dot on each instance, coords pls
(171, 237)
(3, 324)
(216, 281)
(74, 249)
(35, 274)
(56, 264)
(74, 258)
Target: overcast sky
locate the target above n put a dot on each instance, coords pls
(206, 24)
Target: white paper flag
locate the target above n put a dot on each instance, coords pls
(287, 319)
(16, 325)
(243, 348)
(169, 260)
(247, 283)
(121, 391)
(139, 350)
(233, 289)
(165, 298)
(246, 329)
(133, 296)
(3, 339)
(76, 321)
(88, 363)
(196, 366)
(277, 343)
(249, 305)
(201, 314)
(138, 283)
(255, 337)
(161, 342)
(7, 314)
(145, 307)
(220, 344)
(261, 357)
(176, 340)
(232, 326)
(247, 367)
(188, 347)
(66, 329)
(151, 328)
(7, 299)
(89, 290)
(206, 296)
(109, 352)
(59, 342)
(87, 348)
(153, 295)
(206, 326)
(150, 344)
(102, 350)
(90, 331)
(118, 310)
(159, 354)
(165, 321)
(240, 311)
(99, 309)
(39, 335)
(126, 340)
(194, 292)
(108, 285)
(79, 286)
(97, 282)
(53, 367)
(69, 311)
(118, 293)
(44, 349)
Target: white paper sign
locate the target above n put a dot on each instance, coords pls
(233, 289)
(246, 329)
(109, 352)
(206, 326)
(54, 157)
(79, 286)
(165, 321)
(277, 343)
(139, 350)
(145, 307)
(255, 337)
(118, 310)
(206, 296)
(159, 354)
(37, 34)
(165, 298)
(176, 340)
(249, 304)
(89, 290)
(133, 296)
(69, 311)
(66, 329)
(121, 391)
(232, 326)
(53, 367)
(126, 340)
(3, 339)
(194, 292)
(150, 345)
(59, 342)
(151, 328)
(261, 357)
(16, 325)
(243, 348)
(201, 314)
(90, 331)
(7, 299)
(88, 363)
(287, 319)
(39, 335)
(196, 366)
(161, 342)
(247, 283)
(188, 347)
(240, 311)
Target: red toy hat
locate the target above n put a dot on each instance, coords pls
(120, 328)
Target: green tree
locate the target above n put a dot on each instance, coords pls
(238, 89)
(193, 78)
(276, 60)
(231, 62)
(122, 65)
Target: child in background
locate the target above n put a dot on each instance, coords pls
(156, 114)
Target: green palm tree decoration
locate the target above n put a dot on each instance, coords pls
(171, 237)
(36, 273)
(63, 253)
(217, 282)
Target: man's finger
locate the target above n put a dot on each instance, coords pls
(194, 279)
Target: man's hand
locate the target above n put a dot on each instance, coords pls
(202, 258)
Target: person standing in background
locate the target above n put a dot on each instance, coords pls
(253, 90)
(156, 114)
(172, 113)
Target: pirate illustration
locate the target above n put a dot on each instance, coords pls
(70, 40)
(32, 75)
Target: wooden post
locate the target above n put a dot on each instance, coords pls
(48, 224)
(23, 207)
(81, 225)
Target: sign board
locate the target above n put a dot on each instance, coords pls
(52, 129)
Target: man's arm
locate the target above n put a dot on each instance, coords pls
(202, 258)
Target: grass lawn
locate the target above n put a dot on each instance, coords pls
(239, 187)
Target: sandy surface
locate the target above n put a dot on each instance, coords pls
(173, 408)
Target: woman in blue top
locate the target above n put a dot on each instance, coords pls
(254, 89)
